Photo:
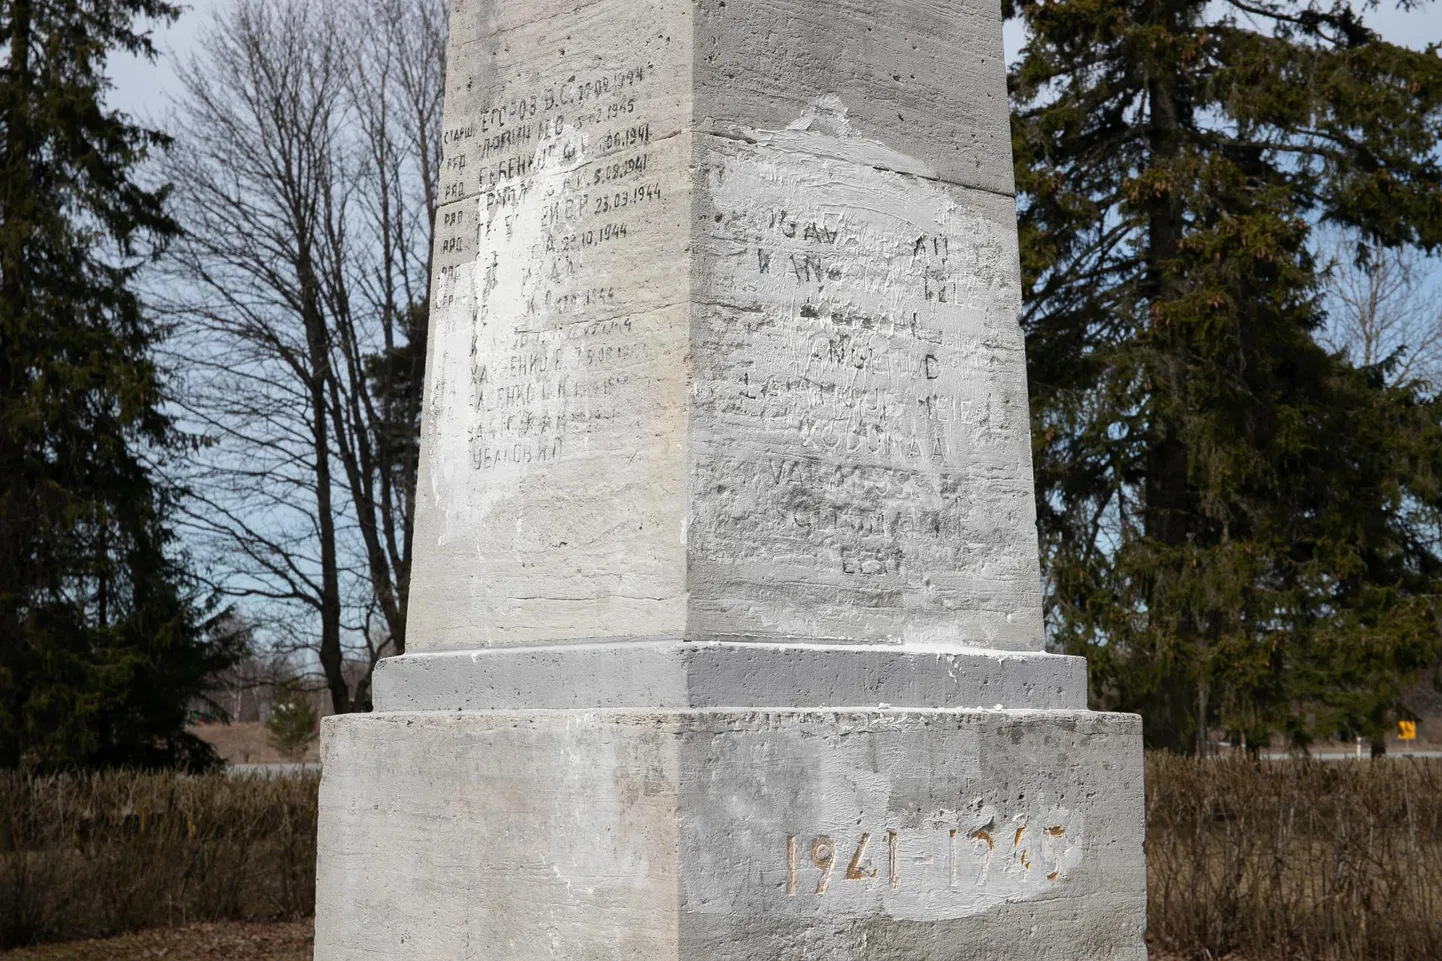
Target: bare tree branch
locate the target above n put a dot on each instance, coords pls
(1384, 312)
(305, 174)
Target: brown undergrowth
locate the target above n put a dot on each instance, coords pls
(99, 854)
(1295, 860)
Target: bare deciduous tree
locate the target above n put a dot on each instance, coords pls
(1385, 308)
(307, 144)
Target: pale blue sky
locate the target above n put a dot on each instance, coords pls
(142, 88)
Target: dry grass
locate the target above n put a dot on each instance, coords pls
(1280, 861)
(94, 855)
(251, 941)
(1303, 861)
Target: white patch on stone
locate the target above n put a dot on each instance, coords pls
(862, 457)
(824, 129)
(483, 299)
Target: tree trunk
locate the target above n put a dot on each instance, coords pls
(1203, 747)
(1168, 514)
(14, 494)
(332, 659)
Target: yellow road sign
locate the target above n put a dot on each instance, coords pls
(1406, 730)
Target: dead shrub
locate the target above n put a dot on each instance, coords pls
(96, 854)
(1296, 860)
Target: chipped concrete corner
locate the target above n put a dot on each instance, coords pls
(725, 618)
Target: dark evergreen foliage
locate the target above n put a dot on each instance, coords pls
(1238, 527)
(100, 643)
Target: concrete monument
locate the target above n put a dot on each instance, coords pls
(725, 630)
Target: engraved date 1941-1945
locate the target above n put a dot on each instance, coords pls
(823, 857)
(980, 851)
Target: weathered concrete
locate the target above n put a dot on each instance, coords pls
(994, 835)
(726, 347)
(725, 618)
(678, 674)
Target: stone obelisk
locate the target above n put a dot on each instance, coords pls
(725, 618)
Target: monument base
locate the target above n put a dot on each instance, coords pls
(732, 833)
(682, 674)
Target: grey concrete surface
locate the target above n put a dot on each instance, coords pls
(661, 835)
(675, 674)
(725, 634)
(724, 342)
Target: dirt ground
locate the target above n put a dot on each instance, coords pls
(234, 941)
(278, 941)
(246, 743)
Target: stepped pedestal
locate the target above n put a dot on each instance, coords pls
(725, 620)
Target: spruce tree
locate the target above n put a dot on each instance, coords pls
(1238, 527)
(293, 720)
(100, 643)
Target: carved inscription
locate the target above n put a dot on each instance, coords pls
(547, 193)
(862, 386)
(863, 375)
(518, 134)
(940, 855)
(860, 411)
